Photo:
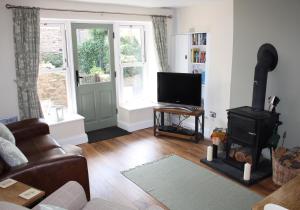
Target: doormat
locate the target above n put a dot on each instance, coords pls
(181, 184)
(106, 133)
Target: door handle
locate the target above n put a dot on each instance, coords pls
(77, 77)
(252, 134)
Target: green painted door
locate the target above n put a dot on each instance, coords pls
(95, 74)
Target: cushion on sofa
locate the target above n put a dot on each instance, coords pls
(6, 133)
(11, 154)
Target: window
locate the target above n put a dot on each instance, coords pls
(53, 66)
(132, 63)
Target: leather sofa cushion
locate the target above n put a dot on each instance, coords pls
(46, 155)
(27, 129)
(37, 145)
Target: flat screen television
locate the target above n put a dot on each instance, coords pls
(179, 88)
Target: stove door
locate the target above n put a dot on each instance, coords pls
(242, 129)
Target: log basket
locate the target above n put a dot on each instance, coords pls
(282, 174)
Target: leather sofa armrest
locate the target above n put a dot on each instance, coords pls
(52, 173)
(27, 129)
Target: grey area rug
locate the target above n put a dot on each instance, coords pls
(182, 185)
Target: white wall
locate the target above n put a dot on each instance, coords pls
(8, 88)
(277, 22)
(216, 18)
(8, 93)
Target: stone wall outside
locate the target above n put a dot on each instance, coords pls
(52, 86)
(51, 39)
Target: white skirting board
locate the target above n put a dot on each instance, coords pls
(130, 127)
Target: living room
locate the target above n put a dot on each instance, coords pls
(107, 138)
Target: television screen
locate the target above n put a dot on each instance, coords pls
(179, 88)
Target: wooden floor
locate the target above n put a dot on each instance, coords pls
(107, 158)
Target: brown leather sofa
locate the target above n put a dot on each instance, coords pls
(48, 167)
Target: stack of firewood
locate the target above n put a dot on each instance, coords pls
(241, 154)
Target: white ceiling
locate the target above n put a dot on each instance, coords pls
(148, 3)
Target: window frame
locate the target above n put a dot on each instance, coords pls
(142, 64)
(64, 26)
(64, 43)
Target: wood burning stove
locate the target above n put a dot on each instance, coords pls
(251, 129)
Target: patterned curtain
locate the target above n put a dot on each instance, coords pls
(27, 46)
(160, 35)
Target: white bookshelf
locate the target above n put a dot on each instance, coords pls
(198, 52)
(185, 54)
(198, 57)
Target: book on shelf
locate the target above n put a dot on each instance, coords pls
(198, 56)
(195, 55)
(203, 57)
(193, 39)
(199, 39)
(203, 38)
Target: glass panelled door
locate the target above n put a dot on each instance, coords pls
(94, 74)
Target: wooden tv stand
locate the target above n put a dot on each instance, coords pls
(176, 130)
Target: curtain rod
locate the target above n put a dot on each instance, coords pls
(9, 6)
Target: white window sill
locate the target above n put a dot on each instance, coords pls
(137, 105)
(67, 118)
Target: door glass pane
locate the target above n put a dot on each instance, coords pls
(93, 55)
(131, 44)
(132, 82)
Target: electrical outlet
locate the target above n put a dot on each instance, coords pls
(212, 114)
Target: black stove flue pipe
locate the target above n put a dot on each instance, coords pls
(267, 59)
